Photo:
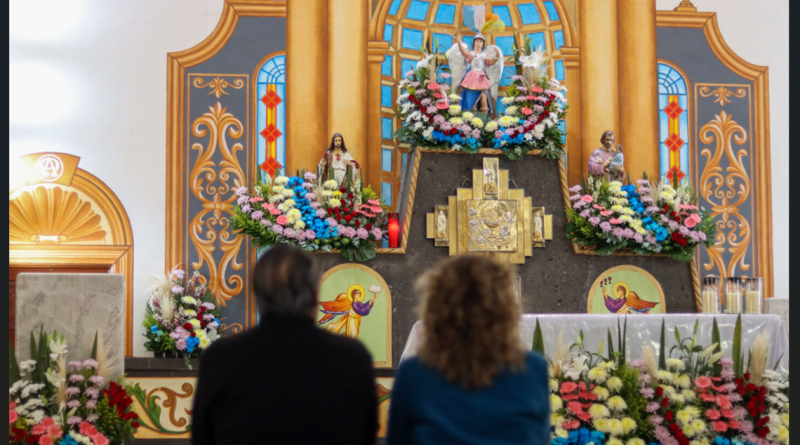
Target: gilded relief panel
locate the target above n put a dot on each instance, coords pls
(724, 176)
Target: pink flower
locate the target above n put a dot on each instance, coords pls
(45, 440)
(76, 377)
(656, 420)
(723, 401)
(444, 75)
(99, 439)
(568, 387)
(537, 89)
(652, 407)
(12, 413)
(442, 105)
(583, 415)
(606, 213)
(647, 392)
(707, 397)
(376, 232)
(527, 111)
(720, 426)
(282, 220)
(587, 199)
(727, 413)
(713, 414)
(702, 382)
(433, 86)
(431, 109)
(615, 221)
(571, 425)
(74, 420)
(575, 188)
(476, 133)
(362, 233)
(692, 220)
(733, 424)
(725, 361)
(289, 233)
(597, 207)
(256, 199)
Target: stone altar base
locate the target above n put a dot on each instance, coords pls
(76, 305)
(554, 279)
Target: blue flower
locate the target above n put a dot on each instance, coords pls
(155, 330)
(294, 181)
(68, 440)
(192, 342)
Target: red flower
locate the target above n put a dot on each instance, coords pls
(345, 210)
(202, 323)
(348, 218)
(30, 440)
(135, 424)
(761, 408)
(412, 98)
(750, 387)
(665, 402)
(669, 416)
(747, 376)
(674, 427)
(738, 382)
(762, 390)
(330, 211)
(678, 434)
(759, 422)
(741, 391)
(659, 391)
(357, 224)
(349, 196)
(202, 309)
(753, 414)
(751, 406)
(762, 433)
(368, 226)
(338, 217)
(186, 326)
(684, 441)
(193, 334)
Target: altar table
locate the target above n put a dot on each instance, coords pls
(642, 330)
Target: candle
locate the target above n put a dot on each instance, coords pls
(394, 230)
(754, 303)
(733, 295)
(710, 302)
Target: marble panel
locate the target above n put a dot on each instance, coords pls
(77, 306)
(778, 306)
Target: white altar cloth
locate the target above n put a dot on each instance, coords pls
(643, 329)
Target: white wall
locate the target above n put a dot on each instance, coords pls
(89, 78)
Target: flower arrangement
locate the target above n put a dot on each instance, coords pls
(645, 219)
(697, 398)
(313, 216)
(181, 317)
(52, 401)
(431, 115)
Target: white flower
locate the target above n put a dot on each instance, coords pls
(507, 100)
(507, 121)
(454, 109)
(417, 126)
(454, 97)
(57, 347)
(491, 126)
(511, 110)
(456, 147)
(428, 133)
(577, 366)
(281, 180)
(456, 121)
(27, 365)
(476, 122)
(531, 60)
(528, 136)
(402, 97)
(331, 184)
(675, 364)
(424, 61)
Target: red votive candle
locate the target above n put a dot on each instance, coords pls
(394, 230)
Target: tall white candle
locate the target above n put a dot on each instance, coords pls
(710, 302)
(733, 302)
(753, 302)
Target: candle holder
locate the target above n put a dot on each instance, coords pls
(733, 295)
(394, 230)
(710, 295)
(754, 295)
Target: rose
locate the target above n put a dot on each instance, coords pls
(692, 220)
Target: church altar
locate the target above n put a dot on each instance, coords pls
(642, 330)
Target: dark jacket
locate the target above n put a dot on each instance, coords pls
(285, 382)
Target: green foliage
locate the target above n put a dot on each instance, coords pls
(110, 425)
(662, 359)
(738, 355)
(538, 340)
(94, 347)
(636, 403)
(715, 340)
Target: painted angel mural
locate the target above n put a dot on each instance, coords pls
(476, 71)
(350, 307)
(626, 301)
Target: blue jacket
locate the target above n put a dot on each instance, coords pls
(428, 410)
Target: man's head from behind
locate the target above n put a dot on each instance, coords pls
(286, 282)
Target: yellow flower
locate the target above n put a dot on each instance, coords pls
(675, 364)
(456, 120)
(600, 425)
(689, 431)
(555, 403)
(491, 126)
(617, 403)
(555, 419)
(636, 441)
(454, 109)
(331, 184)
(189, 300)
(692, 410)
(599, 411)
(785, 419)
(277, 189)
(641, 231)
(628, 211)
(598, 375)
(195, 323)
(190, 313)
(616, 208)
(600, 392)
(476, 122)
(609, 365)
(699, 426)
(553, 385)
(336, 194)
(684, 381)
(668, 390)
(467, 115)
(678, 398)
(335, 202)
(614, 441)
(615, 428)
(614, 384)
(664, 376)
(281, 180)
(683, 417)
(628, 424)
(299, 224)
(783, 434)
(294, 213)
(204, 342)
(199, 333)
(701, 441)
(561, 432)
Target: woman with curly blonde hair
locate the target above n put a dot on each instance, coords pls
(473, 382)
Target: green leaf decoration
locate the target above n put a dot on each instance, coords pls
(611, 344)
(662, 359)
(538, 340)
(677, 334)
(738, 356)
(13, 367)
(717, 369)
(624, 341)
(94, 346)
(777, 363)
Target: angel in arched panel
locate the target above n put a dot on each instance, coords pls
(477, 70)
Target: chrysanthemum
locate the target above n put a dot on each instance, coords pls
(561, 432)
(683, 381)
(615, 428)
(553, 385)
(555, 403)
(600, 425)
(699, 426)
(614, 441)
(675, 364)
(556, 419)
(689, 431)
(636, 441)
(693, 411)
(614, 384)
(599, 411)
(600, 392)
(617, 403)
(683, 417)
(664, 376)
(597, 375)
(628, 425)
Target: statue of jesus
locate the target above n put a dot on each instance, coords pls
(337, 157)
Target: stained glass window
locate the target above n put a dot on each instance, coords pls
(673, 122)
(445, 14)
(271, 115)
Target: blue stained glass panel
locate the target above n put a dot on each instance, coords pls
(672, 83)
(443, 41)
(508, 71)
(445, 14)
(386, 160)
(506, 44)
(467, 40)
(551, 11)
(558, 39)
(395, 6)
(529, 14)
(272, 72)
(407, 65)
(386, 96)
(388, 33)
(386, 193)
(537, 40)
(412, 39)
(559, 70)
(386, 66)
(503, 13)
(562, 124)
(418, 10)
(386, 128)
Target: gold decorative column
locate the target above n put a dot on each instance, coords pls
(348, 21)
(598, 71)
(372, 167)
(638, 99)
(575, 159)
(306, 83)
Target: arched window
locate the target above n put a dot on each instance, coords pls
(271, 115)
(673, 120)
(410, 23)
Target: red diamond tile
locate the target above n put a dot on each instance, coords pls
(674, 142)
(271, 99)
(271, 133)
(672, 172)
(271, 165)
(673, 110)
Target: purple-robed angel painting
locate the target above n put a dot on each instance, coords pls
(350, 307)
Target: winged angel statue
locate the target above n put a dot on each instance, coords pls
(476, 71)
